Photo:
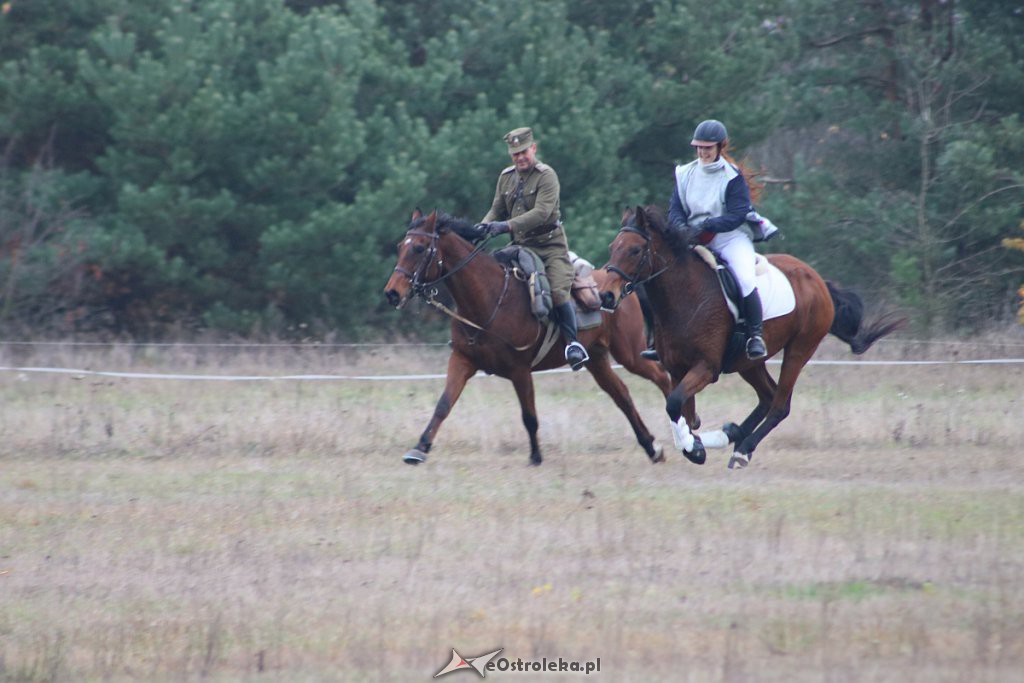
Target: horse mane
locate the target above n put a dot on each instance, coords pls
(446, 222)
(678, 240)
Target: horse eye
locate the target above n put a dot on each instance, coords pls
(418, 248)
(634, 251)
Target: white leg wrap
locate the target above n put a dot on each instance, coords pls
(682, 436)
(715, 439)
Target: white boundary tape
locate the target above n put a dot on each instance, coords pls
(77, 373)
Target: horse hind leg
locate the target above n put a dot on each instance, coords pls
(761, 380)
(631, 360)
(600, 368)
(778, 410)
(460, 369)
(523, 383)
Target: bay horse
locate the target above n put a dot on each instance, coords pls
(694, 327)
(493, 328)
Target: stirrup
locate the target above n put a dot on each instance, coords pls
(576, 355)
(755, 348)
(650, 354)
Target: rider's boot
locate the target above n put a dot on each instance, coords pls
(754, 318)
(575, 353)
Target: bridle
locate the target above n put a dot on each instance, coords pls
(647, 260)
(427, 290)
(416, 275)
(423, 287)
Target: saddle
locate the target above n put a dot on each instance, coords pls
(527, 267)
(726, 279)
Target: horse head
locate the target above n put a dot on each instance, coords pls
(634, 254)
(418, 260)
(428, 243)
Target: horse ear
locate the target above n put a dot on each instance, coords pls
(416, 214)
(431, 220)
(641, 217)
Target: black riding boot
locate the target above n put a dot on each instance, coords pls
(650, 353)
(754, 318)
(574, 351)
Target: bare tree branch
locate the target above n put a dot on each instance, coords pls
(856, 35)
(974, 204)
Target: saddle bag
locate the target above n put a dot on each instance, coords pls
(584, 286)
(540, 294)
(531, 269)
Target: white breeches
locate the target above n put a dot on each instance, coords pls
(736, 248)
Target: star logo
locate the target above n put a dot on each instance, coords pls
(460, 662)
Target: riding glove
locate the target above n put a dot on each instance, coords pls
(497, 228)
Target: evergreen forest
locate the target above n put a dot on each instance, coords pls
(246, 167)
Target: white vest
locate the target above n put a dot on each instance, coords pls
(703, 194)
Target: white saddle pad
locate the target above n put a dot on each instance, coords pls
(776, 292)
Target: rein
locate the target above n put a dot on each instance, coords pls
(428, 290)
(419, 286)
(633, 281)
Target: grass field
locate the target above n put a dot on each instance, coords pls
(167, 530)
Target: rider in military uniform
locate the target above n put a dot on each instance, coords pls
(526, 205)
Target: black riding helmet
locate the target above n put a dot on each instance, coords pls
(710, 131)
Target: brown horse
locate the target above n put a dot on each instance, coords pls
(694, 328)
(495, 330)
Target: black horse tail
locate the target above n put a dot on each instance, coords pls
(849, 324)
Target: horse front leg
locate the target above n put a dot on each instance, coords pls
(460, 369)
(522, 380)
(681, 409)
(601, 370)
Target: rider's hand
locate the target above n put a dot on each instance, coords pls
(480, 229)
(497, 228)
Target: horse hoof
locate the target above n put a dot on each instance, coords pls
(659, 454)
(698, 455)
(414, 457)
(535, 461)
(738, 461)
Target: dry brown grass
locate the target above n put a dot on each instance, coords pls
(176, 530)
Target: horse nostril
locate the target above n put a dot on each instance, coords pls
(607, 299)
(392, 297)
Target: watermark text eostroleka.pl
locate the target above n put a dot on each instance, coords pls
(487, 662)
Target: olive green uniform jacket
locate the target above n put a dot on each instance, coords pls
(532, 215)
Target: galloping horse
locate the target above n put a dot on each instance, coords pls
(693, 328)
(495, 330)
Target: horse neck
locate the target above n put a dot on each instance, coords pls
(477, 284)
(684, 284)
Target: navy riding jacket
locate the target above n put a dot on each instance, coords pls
(737, 206)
